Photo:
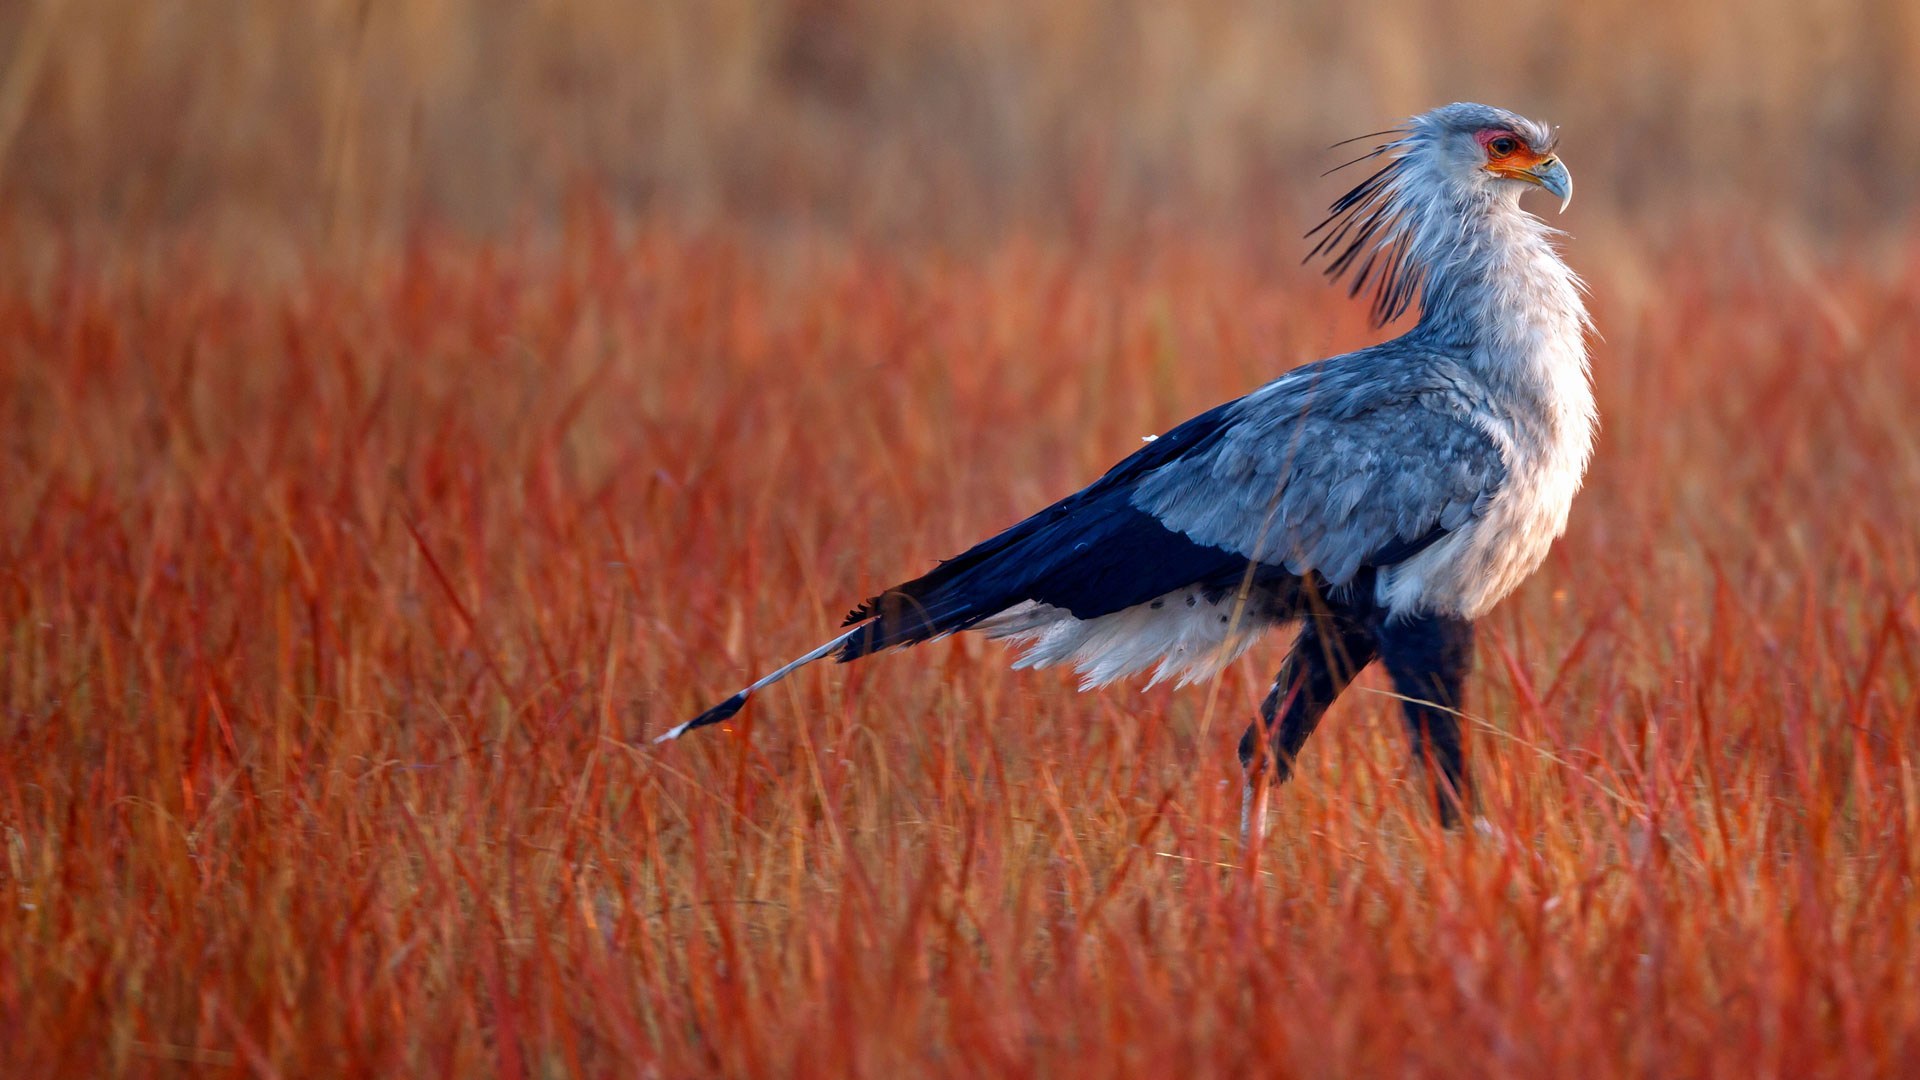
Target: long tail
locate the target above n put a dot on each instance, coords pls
(955, 596)
(732, 705)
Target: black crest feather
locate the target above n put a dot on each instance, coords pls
(1362, 234)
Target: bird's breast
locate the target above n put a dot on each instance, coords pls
(1544, 427)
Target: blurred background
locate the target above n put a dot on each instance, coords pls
(939, 119)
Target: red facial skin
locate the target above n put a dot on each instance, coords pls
(1515, 163)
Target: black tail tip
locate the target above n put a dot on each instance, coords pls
(722, 711)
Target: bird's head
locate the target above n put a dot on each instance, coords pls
(1479, 146)
(1393, 226)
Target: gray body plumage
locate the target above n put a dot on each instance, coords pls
(1434, 470)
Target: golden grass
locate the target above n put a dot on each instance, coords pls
(937, 116)
(336, 603)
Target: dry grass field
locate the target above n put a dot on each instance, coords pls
(352, 543)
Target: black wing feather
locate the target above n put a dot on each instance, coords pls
(1091, 553)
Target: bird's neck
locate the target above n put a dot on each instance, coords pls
(1498, 294)
(1499, 299)
(1493, 276)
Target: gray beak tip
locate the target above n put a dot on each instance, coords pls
(1553, 176)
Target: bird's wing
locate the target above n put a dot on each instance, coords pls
(1324, 473)
(1360, 461)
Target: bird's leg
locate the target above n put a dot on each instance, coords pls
(1429, 657)
(1330, 651)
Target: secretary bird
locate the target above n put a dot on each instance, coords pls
(1383, 500)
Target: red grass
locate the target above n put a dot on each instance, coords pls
(334, 605)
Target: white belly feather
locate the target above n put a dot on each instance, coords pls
(1187, 635)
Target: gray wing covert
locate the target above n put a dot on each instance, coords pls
(1331, 478)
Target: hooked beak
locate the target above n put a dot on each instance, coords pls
(1553, 176)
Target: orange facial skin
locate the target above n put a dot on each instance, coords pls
(1516, 162)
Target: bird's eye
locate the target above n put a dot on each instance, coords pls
(1502, 146)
